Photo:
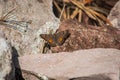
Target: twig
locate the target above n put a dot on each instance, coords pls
(63, 12)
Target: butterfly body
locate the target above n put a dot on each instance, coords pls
(56, 39)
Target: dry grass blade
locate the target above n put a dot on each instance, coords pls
(92, 16)
(80, 16)
(99, 21)
(77, 3)
(101, 16)
(98, 9)
(21, 26)
(4, 17)
(63, 13)
(91, 13)
(104, 18)
(56, 5)
(87, 1)
(75, 12)
(82, 7)
(76, 8)
(68, 13)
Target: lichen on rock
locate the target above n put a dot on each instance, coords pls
(7, 71)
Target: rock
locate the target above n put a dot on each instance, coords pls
(74, 64)
(114, 15)
(37, 17)
(93, 77)
(7, 71)
(87, 37)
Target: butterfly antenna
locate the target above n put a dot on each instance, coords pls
(3, 18)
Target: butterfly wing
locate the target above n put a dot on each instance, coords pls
(49, 38)
(61, 37)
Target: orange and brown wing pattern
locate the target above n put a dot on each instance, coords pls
(56, 39)
(49, 38)
(61, 37)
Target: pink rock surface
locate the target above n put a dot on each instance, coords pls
(75, 64)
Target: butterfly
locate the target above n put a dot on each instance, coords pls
(56, 39)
